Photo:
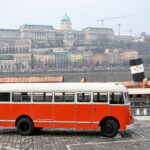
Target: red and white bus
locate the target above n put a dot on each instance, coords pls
(32, 106)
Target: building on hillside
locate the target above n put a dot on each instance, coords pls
(123, 38)
(130, 54)
(92, 33)
(43, 61)
(37, 32)
(143, 37)
(9, 34)
(113, 56)
(48, 32)
(15, 46)
(15, 63)
(98, 59)
(119, 56)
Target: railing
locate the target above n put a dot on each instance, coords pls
(141, 111)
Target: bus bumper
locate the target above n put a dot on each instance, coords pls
(130, 126)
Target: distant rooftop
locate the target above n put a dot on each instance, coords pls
(95, 28)
(36, 26)
(9, 30)
(33, 79)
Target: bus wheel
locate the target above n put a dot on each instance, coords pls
(25, 126)
(109, 128)
(38, 129)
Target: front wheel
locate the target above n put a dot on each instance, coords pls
(25, 126)
(109, 128)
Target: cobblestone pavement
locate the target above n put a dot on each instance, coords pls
(136, 138)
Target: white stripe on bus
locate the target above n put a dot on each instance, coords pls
(78, 122)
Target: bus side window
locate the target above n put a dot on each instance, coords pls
(48, 97)
(64, 97)
(59, 97)
(84, 97)
(42, 97)
(21, 97)
(69, 97)
(100, 97)
(116, 98)
(4, 97)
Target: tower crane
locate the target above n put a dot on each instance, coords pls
(103, 19)
(119, 28)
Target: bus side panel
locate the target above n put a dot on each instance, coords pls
(99, 111)
(5, 112)
(18, 110)
(64, 115)
(83, 116)
(42, 115)
(120, 113)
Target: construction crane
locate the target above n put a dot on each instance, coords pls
(103, 19)
(119, 28)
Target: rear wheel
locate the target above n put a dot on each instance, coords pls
(109, 128)
(37, 129)
(25, 126)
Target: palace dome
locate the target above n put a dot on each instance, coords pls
(65, 18)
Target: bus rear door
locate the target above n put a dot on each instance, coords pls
(42, 109)
(64, 110)
(83, 111)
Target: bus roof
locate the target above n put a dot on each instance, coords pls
(62, 87)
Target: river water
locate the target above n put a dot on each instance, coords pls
(76, 76)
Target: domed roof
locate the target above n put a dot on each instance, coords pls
(65, 18)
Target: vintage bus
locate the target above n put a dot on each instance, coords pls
(33, 106)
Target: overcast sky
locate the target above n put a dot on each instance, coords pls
(83, 13)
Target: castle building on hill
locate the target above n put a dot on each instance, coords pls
(48, 32)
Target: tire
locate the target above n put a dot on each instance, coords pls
(109, 128)
(38, 129)
(25, 126)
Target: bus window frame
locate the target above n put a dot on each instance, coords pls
(54, 102)
(101, 103)
(34, 102)
(11, 97)
(20, 102)
(83, 102)
(126, 98)
(123, 99)
(1, 102)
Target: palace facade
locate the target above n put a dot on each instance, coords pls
(48, 32)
